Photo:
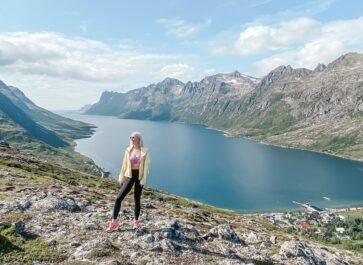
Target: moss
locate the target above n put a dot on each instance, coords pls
(27, 250)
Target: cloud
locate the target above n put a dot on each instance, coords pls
(257, 39)
(263, 38)
(180, 28)
(62, 72)
(332, 40)
(56, 55)
(300, 42)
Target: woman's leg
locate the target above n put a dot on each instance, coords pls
(137, 197)
(126, 187)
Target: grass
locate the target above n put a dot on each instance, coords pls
(330, 143)
(26, 249)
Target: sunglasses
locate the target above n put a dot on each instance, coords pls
(133, 137)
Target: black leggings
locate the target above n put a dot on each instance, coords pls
(125, 188)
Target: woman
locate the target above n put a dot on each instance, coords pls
(134, 170)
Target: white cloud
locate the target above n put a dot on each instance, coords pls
(181, 28)
(333, 39)
(261, 38)
(301, 42)
(55, 55)
(256, 39)
(61, 72)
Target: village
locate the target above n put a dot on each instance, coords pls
(335, 226)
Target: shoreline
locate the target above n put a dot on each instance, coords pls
(358, 206)
(228, 134)
(237, 135)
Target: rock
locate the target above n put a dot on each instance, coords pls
(88, 225)
(75, 244)
(4, 144)
(24, 206)
(148, 205)
(175, 224)
(170, 233)
(157, 236)
(223, 232)
(54, 203)
(168, 245)
(273, 239)
(254, 238)
(295, 249)
(20, 227)
(265, 244)
(150, 239)
(53, 242)
(157, 248)
(141, 231)
(93, 245)
(134, 255)
(190, 233)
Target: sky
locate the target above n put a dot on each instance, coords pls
(64, 54)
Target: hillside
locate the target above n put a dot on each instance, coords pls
(51, 214)
(320, 109)
(39, 131)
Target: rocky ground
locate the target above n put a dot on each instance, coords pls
(50, 214)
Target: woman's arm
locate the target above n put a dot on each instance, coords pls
(146, 168)
(123, 169)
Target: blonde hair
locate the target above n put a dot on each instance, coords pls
(138, 134)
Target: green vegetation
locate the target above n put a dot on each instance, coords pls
(26, 249)
(329, 143)
(275, 120)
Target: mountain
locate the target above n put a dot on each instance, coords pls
(68, 128)
(31, 128)
(52, 215)
(168, 99)
(318, 109)
(17, 115)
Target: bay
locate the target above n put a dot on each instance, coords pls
(229, 172)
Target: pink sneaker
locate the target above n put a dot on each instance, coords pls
(114, 224)
(136, 224)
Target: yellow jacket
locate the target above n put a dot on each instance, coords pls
(143, 169)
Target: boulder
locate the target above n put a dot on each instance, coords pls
(225, 232)
(56, 204)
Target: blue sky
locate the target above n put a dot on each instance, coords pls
(63, 54)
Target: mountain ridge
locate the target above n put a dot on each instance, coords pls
(287, 103)
(38, 131)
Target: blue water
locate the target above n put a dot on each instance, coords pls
(228, 172)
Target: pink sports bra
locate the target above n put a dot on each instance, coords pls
(135, 159)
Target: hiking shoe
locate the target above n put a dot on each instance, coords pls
(113, 226)
(136, 224)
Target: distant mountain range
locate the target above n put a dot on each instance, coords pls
(31, 128)
(318, 109)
